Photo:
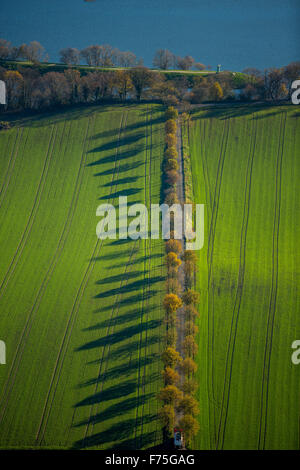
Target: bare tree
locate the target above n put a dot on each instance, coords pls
(185, 63)
(273, 81)
(126, 59)
(199, 66)
(70, 56)
(141, 78)
(163, 59)
(5, 48)
(34, 52)
(291, 73)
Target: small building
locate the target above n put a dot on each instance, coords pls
(218, 68)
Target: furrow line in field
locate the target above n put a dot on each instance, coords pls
(148, 242)
(144, 289)
(11, 164)
(27, 230)
(238, 295)
(205, 169)
(273, 294)
(8, 162)
(69, 328)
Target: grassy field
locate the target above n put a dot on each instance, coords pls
(81, 317)
(246, 170)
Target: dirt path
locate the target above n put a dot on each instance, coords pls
(181, 275)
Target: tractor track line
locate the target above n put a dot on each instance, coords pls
(69, 328)
(30, 221)
(8, 162)
(273, 294)
(144, 288)
(11, 164)
(239, 293)
(148, 242)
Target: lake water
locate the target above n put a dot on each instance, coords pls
(234, 33)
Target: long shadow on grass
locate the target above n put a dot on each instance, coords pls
(121, 335)
(117, 409)
(136, 285)
(234, 110)
(118, 432)
(125, 369)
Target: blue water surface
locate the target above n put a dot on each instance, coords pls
(234, 33)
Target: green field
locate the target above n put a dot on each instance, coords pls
(246, 169)
(81, 317)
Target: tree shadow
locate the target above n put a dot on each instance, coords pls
(136, 285)
(117, 409)
(124, 369)
(118, 432)
(121, 335)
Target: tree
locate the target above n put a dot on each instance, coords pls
(173, 245)
(141, 78)
(92, 55)
(199, 66)
(291, 73)
(172, 260)
(190, 297)
(190, 328)
(5, 48)
(189, 346)
(54, 88)
(189, 366)
(166, 415)
(172, 286)
(171, 357)
(189, 386)
(170, 394)
(170, 140)
(170, 126)
(34, 52)
(216, 92)
(14, 88)
(70, 56)
(126, 59)
(171, 336)
(171, 303)
(185, 63)
(73, 79)
(188, 405)
(123, 83)
(171, 164)
(191, 313)
(190, 256)
(189, 426)
(171, 198)
(172, 177)
(171, 152)
(163, 59)
(171, 113)
(273, 81)
(170, 376)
